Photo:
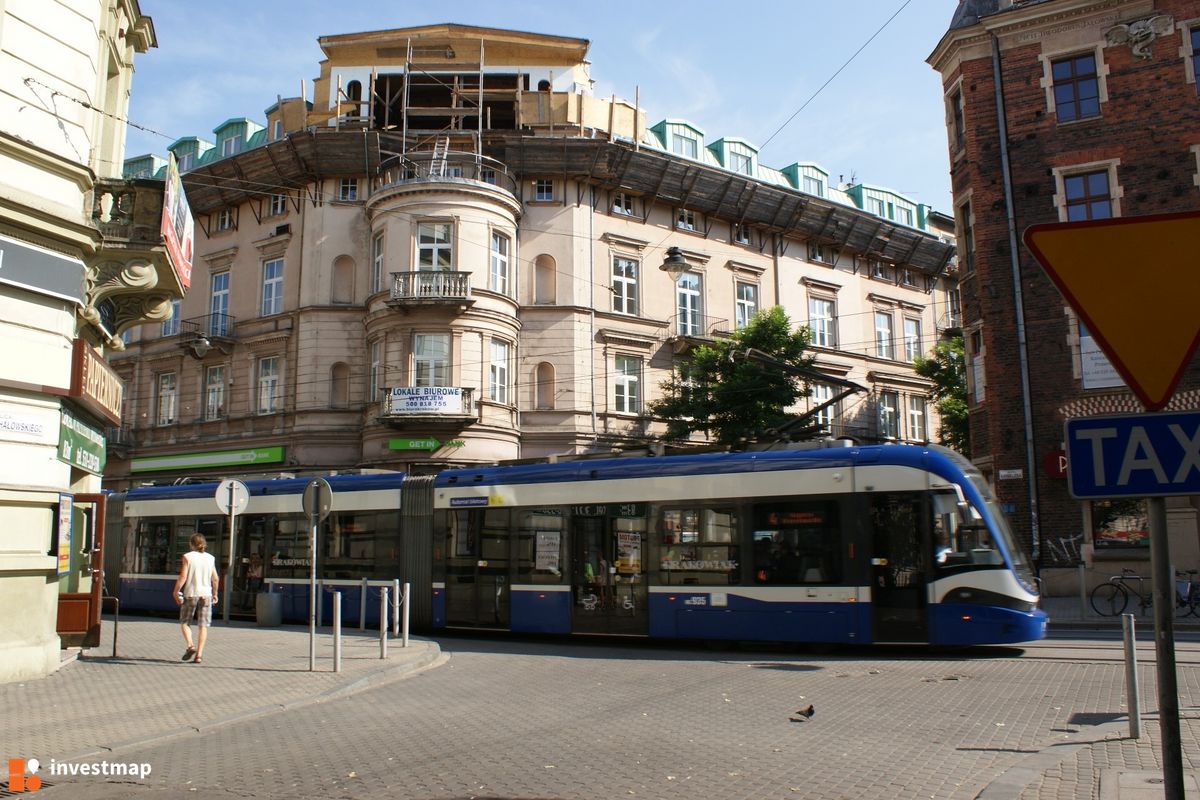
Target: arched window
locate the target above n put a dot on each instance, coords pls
(544, 280)
(544, 387)
(339, 385)
(543, 86)
(343, 279)
(354, 94)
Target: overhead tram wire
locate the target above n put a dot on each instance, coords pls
(788, 121)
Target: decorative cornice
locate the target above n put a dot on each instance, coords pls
(621, 240)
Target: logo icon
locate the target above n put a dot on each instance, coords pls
(18, 781)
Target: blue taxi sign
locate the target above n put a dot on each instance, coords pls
(1134, 455)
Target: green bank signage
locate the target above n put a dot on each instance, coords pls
(423, 443)
(81, 445)
(216, 458)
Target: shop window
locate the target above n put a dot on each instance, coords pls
(1122, 523)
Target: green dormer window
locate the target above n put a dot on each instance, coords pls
(231, 145)
(742, 163)
(814, 186)
(684, 145)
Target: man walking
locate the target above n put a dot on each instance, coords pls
(196, 591)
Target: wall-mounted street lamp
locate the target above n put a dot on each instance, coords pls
(675, 264)
(202, 346)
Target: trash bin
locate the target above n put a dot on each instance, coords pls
(268, 607)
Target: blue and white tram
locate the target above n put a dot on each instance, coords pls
(360, 539)
(855, 544)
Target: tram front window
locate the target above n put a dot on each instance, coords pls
(961, 537)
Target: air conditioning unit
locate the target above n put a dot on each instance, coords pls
(283, 229)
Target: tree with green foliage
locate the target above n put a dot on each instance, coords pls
(948, 371)
(731, 397)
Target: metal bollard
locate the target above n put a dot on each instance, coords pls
(337, 631)
(395, 608)
(383, 623)
(1131, 678)
(407, 595)
(362, 606)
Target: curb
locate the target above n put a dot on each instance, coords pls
(431, 658)
(1012, 782)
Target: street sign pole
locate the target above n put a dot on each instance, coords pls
(314, 519)
(1164, 649)
(232, 553)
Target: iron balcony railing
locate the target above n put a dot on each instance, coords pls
(439, 165)
(219, 325)
(700, 326)
(431, 285)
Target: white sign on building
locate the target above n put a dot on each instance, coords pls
(425, 400)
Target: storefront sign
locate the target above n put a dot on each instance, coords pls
(40, 270)
(220, 458)
(81, 445)
(95, 384)
(425, 400)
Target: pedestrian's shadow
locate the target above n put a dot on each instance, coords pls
(134, 660)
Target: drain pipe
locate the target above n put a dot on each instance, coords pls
(1019, 306)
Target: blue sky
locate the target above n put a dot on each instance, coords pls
(732, 69)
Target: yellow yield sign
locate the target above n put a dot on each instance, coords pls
(1135, 282)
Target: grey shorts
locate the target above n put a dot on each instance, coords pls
(198, 607)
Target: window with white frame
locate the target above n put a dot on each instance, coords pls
(231, 145)
(912, 338)
(272, 287)
(746, 305)
(498, 372)
(375, 375)
(170, 326)
(889, 415)
(543, 190)
(684, 145)
(1076, 87)
(904, 215)
(976, 375)
(916, 418)
(822, 393)
(954, 309)
(741, 234)
(487, 175)
(498, 277)
(218, 305)
(822, 321)
(883, 335)
(278, 205)
(347, 189)
(376, 262)
(225, 219)
(689, 302)
(685, 220)
(277, 130)
(431, 359)
(966, 227)
(819, 253)
(434, 250)
(214, 392)
(879, 269)
(168, 399)
(957, 124)
(185, 161)
(741, 163)
(625, 285)
(875, 206)
(908, 276)
(814, 186)
(627, 373)
(622, 203)
(268, 385)
(1087, 195)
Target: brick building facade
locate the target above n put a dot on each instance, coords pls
(1097, 116)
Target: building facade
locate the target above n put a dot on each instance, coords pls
(451, 255)
(1097, 117)
(83, 260)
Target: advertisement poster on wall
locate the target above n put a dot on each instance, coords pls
(65, 503)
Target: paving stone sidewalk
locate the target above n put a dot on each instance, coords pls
(96, 704)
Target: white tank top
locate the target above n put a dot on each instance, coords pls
(200, 570)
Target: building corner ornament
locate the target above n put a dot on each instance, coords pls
(1140, 34)
(121, 294)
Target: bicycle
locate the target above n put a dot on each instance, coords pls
(1110, 599)
(1187, 593)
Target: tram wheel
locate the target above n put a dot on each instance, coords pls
(1109, 599)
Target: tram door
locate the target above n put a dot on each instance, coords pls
(608, 563)
(477, 568)
(898, 567)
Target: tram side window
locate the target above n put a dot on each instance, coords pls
(698, 546)
(364, 544)
(539, 546)
(493, 535)
(797, 542)
(154, 548)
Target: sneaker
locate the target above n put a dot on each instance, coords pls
(189, 654)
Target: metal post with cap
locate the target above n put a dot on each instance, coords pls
(317, 500)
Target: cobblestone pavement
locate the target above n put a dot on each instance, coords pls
(530, 718)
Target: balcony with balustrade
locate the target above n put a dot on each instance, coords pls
(426, 288)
